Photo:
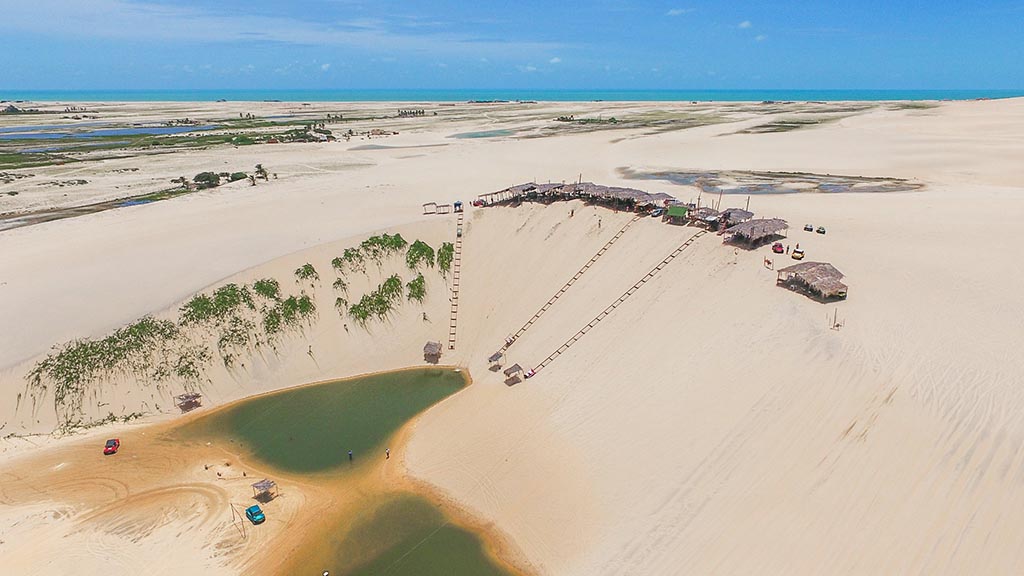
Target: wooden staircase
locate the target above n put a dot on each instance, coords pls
(456, 277)
(533, 320)
(625, 296)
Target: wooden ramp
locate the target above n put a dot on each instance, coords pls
(625, 296)
(512, 339)
(456, 278)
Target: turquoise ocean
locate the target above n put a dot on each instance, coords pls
(464, 95)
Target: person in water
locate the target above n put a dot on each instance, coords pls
(349, 455)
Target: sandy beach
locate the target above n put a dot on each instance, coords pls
(713, 423)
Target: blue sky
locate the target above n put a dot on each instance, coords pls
(614, 44)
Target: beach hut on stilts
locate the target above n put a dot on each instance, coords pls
(265, 490)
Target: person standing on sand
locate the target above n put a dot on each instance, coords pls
(787, 248)
(387, 453)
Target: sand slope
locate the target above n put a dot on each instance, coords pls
(714, 423)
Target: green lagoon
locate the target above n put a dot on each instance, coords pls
(309, 430)
(405, 535)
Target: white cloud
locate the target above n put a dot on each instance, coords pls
(325, 67)
(760, 37)
(527, 68)
(165, 21)
(555, 60)
(745, 24)
(678, 11)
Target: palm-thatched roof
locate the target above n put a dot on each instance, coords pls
(577, 190)
(733, 216)
(513, 369)
(758, 229)
(821, 278)
(264, 485)
(432, 349)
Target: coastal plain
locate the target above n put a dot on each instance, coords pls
(713, 423)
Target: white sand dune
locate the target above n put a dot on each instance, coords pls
(713, 423)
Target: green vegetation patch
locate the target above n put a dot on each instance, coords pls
(29, 160)
(445, 256)
(378, 303)
(417, 288)
(419, 253)
(152, 349)
(307, 272)
(352, 260)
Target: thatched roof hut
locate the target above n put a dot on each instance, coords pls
(432, 352)
(821, 279)
(586, 190)
(188, 402)
(758, 230)
(734, 216)
(512, 370)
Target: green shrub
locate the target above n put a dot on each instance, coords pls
(268, 288)
(445, 256)
(236, 176)
(207, 180)
(307, 272)
(272, 321)
(380, 302)
(297, 308)
(341, 285)
(417, 288)
(418, 254)
(224, 302)
(351, 260)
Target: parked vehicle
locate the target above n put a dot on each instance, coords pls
(778, 248)
(808, 228)
(255, 514)
(821, 230)
(111, 446)
(798, 254)
(657, 212)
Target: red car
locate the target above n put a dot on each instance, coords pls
(777, 248)
(111, 446)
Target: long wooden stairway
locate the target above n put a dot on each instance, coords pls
(456, 279)
(533, 320)
(611, 307)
